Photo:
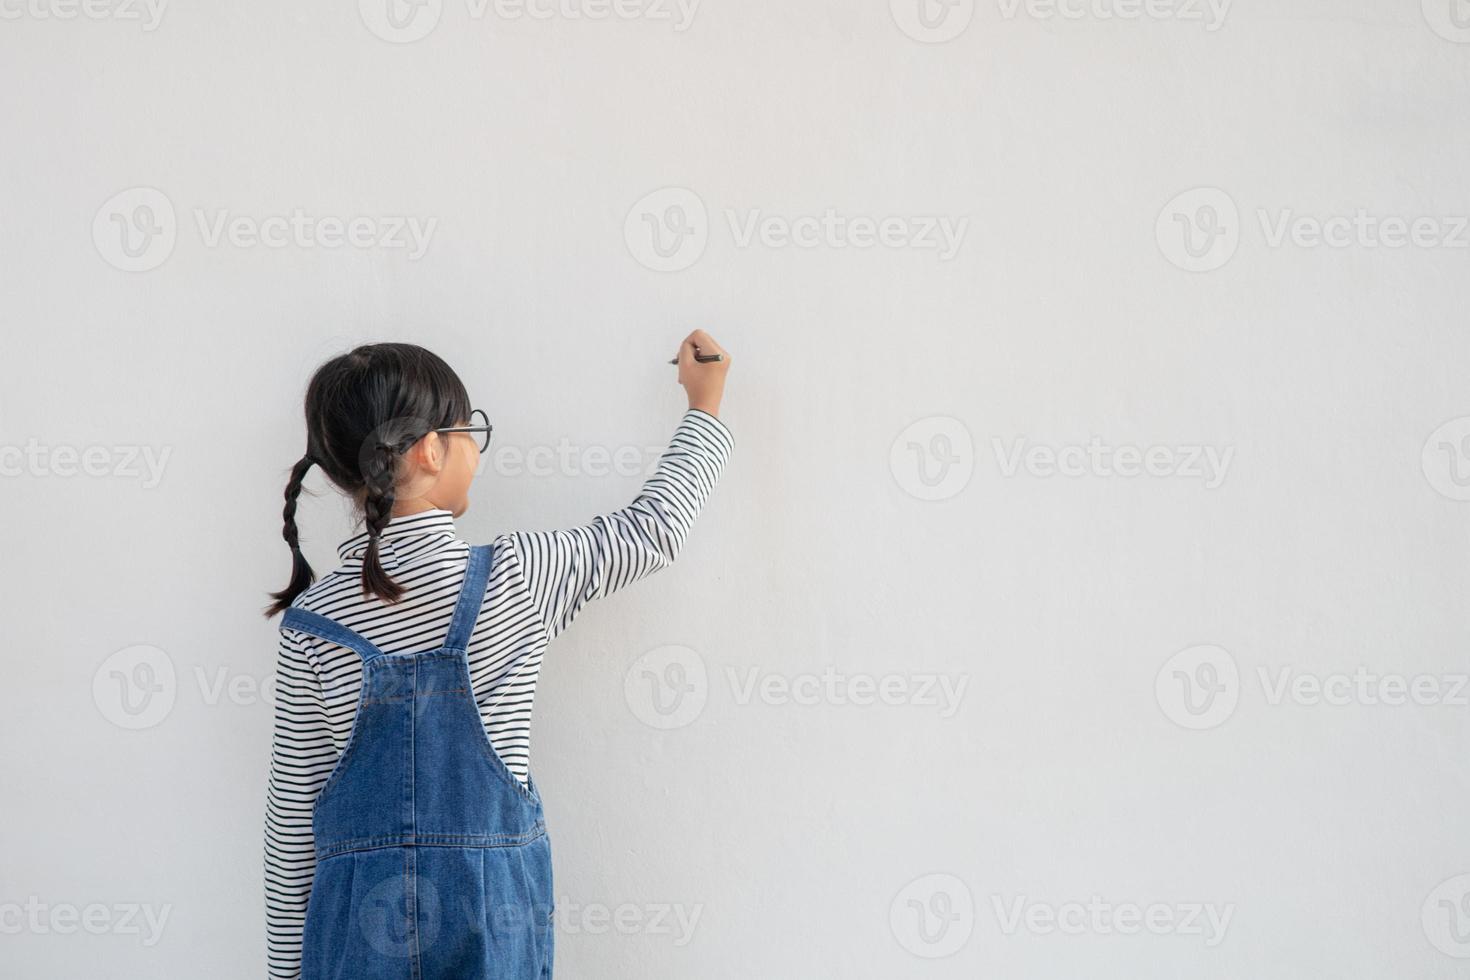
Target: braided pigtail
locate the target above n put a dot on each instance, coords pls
(301, 574)
(380, 475)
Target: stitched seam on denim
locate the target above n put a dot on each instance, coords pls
(410, 870)
(328, 629)
(353, 737)
(467, 606)
(413, 775)
(438, 653)
(467, 841)
(402, 698)
(496, 762)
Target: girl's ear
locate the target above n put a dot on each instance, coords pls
(429, 453)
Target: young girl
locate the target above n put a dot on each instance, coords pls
(404, 834)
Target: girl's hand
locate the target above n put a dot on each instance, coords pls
(704, 383)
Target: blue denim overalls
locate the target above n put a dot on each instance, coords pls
(432, 858)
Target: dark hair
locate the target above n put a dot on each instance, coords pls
(364, 410)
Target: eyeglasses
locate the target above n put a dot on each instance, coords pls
(480, 422)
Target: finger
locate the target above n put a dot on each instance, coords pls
(706, 343)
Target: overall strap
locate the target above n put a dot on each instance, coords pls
(317, 625)
(471, 597)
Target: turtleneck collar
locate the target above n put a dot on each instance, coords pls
(403, 537)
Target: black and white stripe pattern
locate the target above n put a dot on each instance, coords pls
(539, 581)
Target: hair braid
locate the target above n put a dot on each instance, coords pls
(301, 574)
(380, 481)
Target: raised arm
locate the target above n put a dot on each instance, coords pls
(302, 756)
(563, 570)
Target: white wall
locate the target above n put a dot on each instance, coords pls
(822, 839)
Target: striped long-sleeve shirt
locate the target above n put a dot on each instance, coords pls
(539, 580)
